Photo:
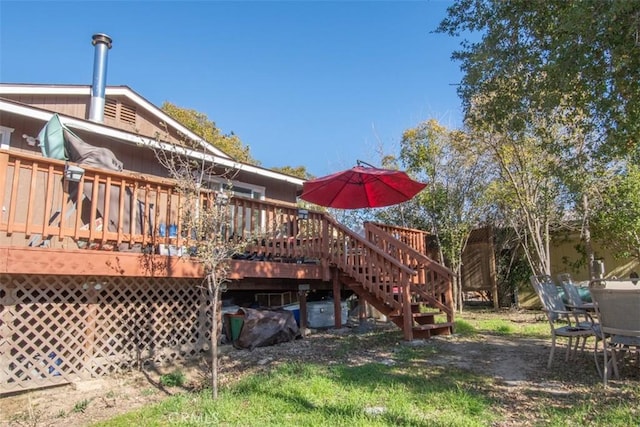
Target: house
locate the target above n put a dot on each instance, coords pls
(91, 280)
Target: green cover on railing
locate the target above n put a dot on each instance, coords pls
(51, 139)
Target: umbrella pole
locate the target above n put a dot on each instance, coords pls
(360, 163)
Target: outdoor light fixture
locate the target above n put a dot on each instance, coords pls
(303, 214)
(31, 141)
(73, 173)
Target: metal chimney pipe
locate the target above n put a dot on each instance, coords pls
(102, 42)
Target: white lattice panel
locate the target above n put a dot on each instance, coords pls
(57, 329)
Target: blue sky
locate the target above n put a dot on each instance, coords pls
(314, 83)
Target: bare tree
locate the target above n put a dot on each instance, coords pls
(205, 215)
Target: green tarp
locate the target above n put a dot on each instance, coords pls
(51, 139)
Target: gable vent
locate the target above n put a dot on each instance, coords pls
(110, 108)
(128, 114)
(115, 110)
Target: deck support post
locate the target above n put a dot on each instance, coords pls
(407, 314)
(302, 299)
(337, 302)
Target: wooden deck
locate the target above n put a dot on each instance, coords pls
(20, 260)
(84, 275)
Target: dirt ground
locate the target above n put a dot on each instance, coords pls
(519, 366)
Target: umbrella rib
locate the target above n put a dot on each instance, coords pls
(337, 193)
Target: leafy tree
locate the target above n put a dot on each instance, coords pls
(622, 196)
(572, 64)
(452, 204)
(299, 171)
(200, 124)
(528, 196)
(536, 55)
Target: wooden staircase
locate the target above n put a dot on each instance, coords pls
(389, 270)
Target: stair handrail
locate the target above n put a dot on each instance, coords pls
(417, 239)
(377, 271)
(416, 254)
(422, 263)
(368, 244)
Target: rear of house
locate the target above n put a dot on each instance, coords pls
(91, 280)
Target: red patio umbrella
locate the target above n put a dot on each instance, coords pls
(361, 187)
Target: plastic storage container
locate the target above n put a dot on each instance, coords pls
(234, 325)
(296, 311)
(320, 314)
(232, 321)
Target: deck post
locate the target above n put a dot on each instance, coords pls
(407, 314)
(4, 168)
(337, 301)
(303, 312)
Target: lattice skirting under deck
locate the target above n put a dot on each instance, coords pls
(59, 329)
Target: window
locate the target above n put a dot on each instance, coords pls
(243, 216)
(239, 189)
(5, 136)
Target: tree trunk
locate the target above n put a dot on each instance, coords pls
(492, 270)
(454, 287)
(460, 294)
(213, 292)
(586, 235)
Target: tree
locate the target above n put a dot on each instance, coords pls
(534, 55)
(299, 171)
(452, 203)
(527, 193)
(200, 124)
(573, 64)
(622, 196)
(205, 225)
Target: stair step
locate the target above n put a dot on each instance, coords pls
(430, 314)
(421, 316)
(430, 326)
(430, 330)
(423, 324)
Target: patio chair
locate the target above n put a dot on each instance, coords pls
(574, 300)
(618, 312)
(575, 325)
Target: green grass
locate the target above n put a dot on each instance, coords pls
(408, 392)
(594, 407)
(319, 395)
(81, 406)
(173, 379)
(486, 322)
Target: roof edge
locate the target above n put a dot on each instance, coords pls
(127, 137)
(126, 91)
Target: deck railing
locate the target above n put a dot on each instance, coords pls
(113, 210)
(105, 209)
(378, 272)
(417, 239)
(97, 325)
(432, 281)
